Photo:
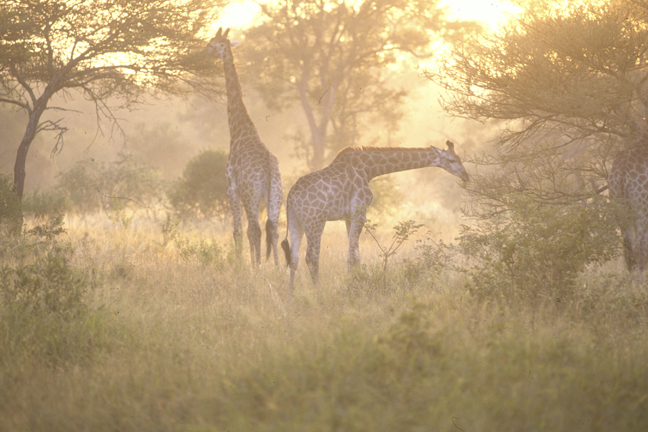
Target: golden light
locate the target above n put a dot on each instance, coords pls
(488, 12)
(240, 14)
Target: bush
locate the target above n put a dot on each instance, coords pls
(49, 285)
(91, 185)
(10, 206)
(40, 280)
(42, 205)
(202, 189)
(540, 249)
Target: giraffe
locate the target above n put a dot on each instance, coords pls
(252, 171)
(341, 192)
(628, 183)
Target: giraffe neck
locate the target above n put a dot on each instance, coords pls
(379, 161)
(237, 115)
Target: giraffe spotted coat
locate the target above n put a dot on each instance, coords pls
(628, 182)
(341, 192)
(252, 171)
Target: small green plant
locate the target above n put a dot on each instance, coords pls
(52, 227)
(402, 232)
(169, 229)
(207, 252)
(431, 259)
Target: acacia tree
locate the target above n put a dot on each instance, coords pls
(569, 79)
(120, 50)
(334, 58)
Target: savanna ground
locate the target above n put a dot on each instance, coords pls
(137, 335)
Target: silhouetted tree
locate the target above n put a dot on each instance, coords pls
(569, 80)
(334, 59)
(117, 49)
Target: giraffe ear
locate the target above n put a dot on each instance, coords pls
(233, 44)
(450, 145)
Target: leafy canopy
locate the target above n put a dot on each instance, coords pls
(568, 79)
(336, 59)
(113, 52)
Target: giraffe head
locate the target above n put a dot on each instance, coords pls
(219, 46)
(449, 161)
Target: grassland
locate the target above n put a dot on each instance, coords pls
(184, 337)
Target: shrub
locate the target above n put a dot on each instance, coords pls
(206, 251)
(42, 205)
(48, 285)
(202, 189)
(91, 185)
(539, 249)
(10, 206)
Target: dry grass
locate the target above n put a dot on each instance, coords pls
(184, 337)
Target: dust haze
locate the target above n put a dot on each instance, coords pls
(166, 134)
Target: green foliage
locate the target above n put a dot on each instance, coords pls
(207, 252)
(45, 317)
(202, 189)
(40, 279)
(42, 205)
(47, 286)
(431, 260)
(41, 56)
(50, 229)
(181, 346)
(333, 57)
(566, 75)
(125, 183)
(538, 249)
(10, 206)
(402, 232)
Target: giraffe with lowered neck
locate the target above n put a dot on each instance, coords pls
(252, 171)
(341, 192)
(628, 183)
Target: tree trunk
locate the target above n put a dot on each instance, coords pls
(21, 157)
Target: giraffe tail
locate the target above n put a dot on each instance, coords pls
(286, 248)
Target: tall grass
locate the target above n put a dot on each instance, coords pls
(183, 336)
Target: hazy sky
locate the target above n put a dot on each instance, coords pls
(490, 12)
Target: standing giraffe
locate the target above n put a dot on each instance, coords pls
(341, 192)
(628, 182)
(252, 171)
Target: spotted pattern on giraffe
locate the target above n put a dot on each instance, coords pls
(628, 183)
(341, 192)
(252, 170)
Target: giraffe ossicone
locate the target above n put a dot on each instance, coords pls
(341, 191)
(628, 183)
(252, 171)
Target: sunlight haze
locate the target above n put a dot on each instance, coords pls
(491, 13)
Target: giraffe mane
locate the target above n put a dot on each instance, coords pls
(357, 149)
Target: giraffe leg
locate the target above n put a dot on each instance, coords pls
(274, 208)
(296, 235)
(314, 242)
(628, 246)
(254, 229)
(254, 238)
(354, 229)
(235, 207)
(641, 248)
